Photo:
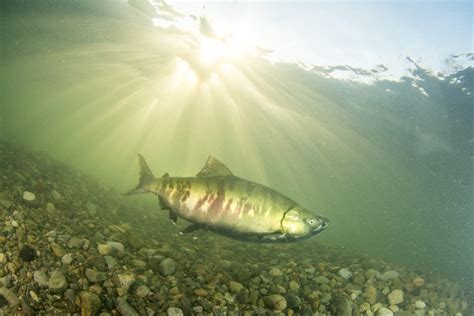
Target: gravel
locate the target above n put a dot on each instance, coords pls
(93, 252)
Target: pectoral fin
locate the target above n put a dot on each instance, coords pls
(193, 227)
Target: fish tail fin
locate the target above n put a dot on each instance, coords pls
(145, 176)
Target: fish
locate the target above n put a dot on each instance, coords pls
(216, 200)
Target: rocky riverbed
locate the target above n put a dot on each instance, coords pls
(70, 246)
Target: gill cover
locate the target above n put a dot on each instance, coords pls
(293, 223)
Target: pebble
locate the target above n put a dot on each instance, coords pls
(418, 282)
(235, 286)
(69, 294)
(293, 301)
(75, 243)
(390, 275)
(123, 281)
(167, 267)
(395, 297)
(58, 251)
(9, 296)
(174, 311)
(370, 293)
(200, 292)
(321, 279)
(41, 278)
(345, 273)
(420, 304)
(142, 291)
(55, 195)
(294, 286)
(371, 274)
(104, 249)
(117, 248)
(34, 296)
(95, 276)
(67, 259)
(90, 303)
(57, 282)
(139, 263)
(147, 252)
(275, 302)
(125, 309)
(110, 262)
(50, 208)
(28, 196)
(275, 272)
(383, 311)
(198, 309)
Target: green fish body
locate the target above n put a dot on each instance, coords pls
(217, 200)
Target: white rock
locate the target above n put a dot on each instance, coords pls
(420, 304)
(28, 196)
(345, 273)
(67, 259)
(15, 223)
(383, 311)
(174, 311)
(395, 297)
(104, 249)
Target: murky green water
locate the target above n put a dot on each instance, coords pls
(389, 164)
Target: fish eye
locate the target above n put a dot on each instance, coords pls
(311, 221)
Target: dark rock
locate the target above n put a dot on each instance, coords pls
(28, 253)
(293, 301)
(275, 302)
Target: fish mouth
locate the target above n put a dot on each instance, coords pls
(322, 226)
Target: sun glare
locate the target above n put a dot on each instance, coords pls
(216, 51)
(212, 51)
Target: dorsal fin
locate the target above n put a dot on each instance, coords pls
(166, 175)
(213, 168)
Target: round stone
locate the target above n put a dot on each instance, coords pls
(395, 297)
(142, 291)
(167, 267)
(174, 311)
(57, 282)
(275, 302)
(235, 286)
(28, 196)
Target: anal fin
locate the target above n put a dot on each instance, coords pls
(173, 216)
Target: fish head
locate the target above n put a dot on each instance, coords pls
(298, 223)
